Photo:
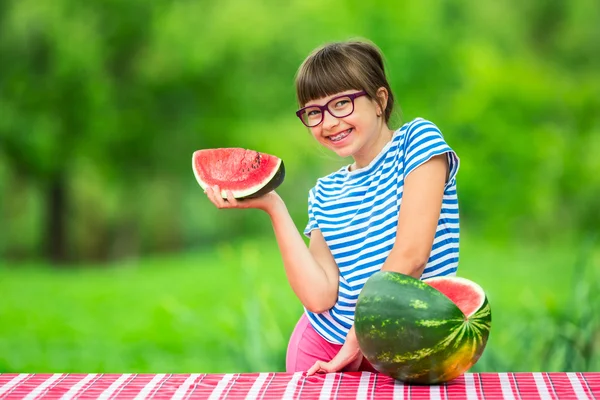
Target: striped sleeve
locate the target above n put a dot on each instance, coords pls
(312, 222)
(423, 141)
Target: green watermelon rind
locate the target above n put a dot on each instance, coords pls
(414, 333)
(273, 183)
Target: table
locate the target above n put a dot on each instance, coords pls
(350, 385)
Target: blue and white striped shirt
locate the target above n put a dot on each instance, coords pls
(357, 213)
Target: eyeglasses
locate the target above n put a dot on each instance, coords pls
(339, 107)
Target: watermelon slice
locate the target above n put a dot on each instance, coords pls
(247, 173)
(424, 332)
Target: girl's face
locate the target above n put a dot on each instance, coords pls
(350, 135)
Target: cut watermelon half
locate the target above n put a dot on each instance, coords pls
(422, 332)
(246, 173)
(467, 295)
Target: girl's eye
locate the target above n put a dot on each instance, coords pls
(312, 113)
(342, 103)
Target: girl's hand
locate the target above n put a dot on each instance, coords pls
(349, 357)
(264, 202)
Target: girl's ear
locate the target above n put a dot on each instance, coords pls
(382, 97)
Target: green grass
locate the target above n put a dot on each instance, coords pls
(232, 310)
(207, 312)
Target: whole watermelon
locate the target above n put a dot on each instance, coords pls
(424, 332)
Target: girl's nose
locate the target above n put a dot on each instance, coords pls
(329, 121)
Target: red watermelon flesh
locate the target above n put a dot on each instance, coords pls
(246, 173)
(467, 296)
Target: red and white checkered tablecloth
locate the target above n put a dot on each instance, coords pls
(265, 386)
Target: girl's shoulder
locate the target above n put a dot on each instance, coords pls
(414, 127)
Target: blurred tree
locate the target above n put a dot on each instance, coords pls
(103, 103)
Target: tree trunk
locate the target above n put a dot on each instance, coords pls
(56, 229)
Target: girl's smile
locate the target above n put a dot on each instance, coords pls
(338, 139)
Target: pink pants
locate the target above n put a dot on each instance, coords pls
(306, 347)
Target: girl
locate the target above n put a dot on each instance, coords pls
(394, 208)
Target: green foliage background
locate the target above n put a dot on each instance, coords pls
(102, 104)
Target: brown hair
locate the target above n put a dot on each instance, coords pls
(339, 66)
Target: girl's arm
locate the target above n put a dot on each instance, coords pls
(417, 223)
(312, 272)
(418, 218)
